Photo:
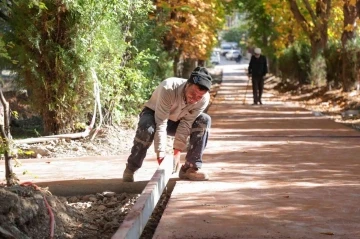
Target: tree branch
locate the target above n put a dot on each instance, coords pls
(328, 8)
(310, 10)
(299, 17)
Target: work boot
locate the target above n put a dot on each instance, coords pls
(128, 175)
(193, 174)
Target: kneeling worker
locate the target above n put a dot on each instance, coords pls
(176, 109)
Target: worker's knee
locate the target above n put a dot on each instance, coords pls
(202, 121)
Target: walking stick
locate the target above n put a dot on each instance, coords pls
(247, 85)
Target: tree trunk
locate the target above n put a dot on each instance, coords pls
(5, 134)
(176, 64)
(51, 126)
(351, 13)
(346, 70)
(188, 66)
(201, 63)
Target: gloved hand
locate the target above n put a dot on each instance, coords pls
(160, 159)
(176, 160)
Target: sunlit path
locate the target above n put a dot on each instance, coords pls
(277, 171)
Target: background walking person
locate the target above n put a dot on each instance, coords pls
(257, 71)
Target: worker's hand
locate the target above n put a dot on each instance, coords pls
(176, 166)
(160, 159)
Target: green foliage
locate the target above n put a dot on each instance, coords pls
(80, 126)
(294, 64)
(3, 146)
(56, 45)
(236, 34)
(3, 52)
(259, 22)
(15, 114)
(318, 70)
(48, 61)
(352, 52)
(128, 76)
(333, 62)
(261, 31)
(27, 172)
(343, 64)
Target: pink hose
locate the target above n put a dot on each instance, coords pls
(51, 214)
(52, 219)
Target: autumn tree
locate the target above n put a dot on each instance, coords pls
(192, 30)
(321, 24)
(313, 19)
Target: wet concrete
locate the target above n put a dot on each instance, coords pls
(277, 171)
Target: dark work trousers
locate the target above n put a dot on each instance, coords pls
(146, 131)
(257, 86)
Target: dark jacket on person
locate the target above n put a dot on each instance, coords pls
(257, 66)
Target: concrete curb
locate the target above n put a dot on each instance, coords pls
(135, 222)
(92, 186)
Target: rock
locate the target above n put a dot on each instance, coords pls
(350, 114)
(73, 199)
(101, 208)
(99, 196)
(111, 204)
(108, 194)
(110, 225)
(92, 199)
(86, 197)
(40, 149)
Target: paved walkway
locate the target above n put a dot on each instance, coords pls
(277, 171)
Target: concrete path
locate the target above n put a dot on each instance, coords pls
(82, 175)
(277, 171)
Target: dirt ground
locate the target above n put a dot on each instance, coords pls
(24, 213)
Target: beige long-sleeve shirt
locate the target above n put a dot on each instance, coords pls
(168, 102)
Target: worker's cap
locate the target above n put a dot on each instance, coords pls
(200, 76)
(257, 51)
